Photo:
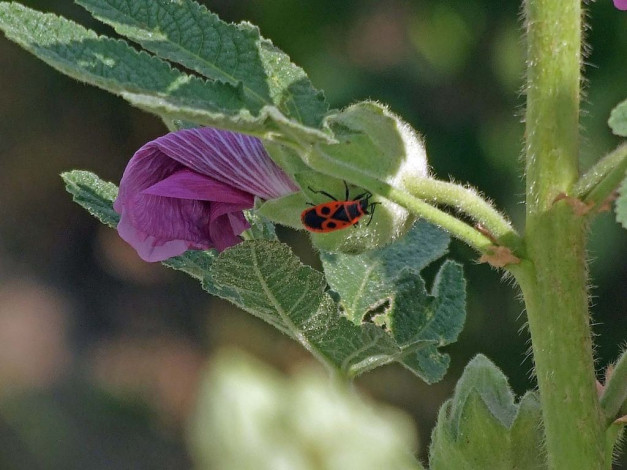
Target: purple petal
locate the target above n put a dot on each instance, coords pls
(236, 159)
(238, 222)
(162, 227)
(148, 247)
(147, 167)
(185, 184)
(620, 4)
(222, 231)
(187, 190)
(160, 220)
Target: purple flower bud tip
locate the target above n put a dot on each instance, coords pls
(187, 190)
(620, 4)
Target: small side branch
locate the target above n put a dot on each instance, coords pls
(615, 390)
(598, 184)
(469, 202)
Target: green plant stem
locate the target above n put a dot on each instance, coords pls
(615, 393)
(467, 201)
(456, 227)
(553, 277)
(459, 229)
(453, 225)
(603, 178)
(613, 436)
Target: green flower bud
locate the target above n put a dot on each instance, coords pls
(374, 150)
(374, 146)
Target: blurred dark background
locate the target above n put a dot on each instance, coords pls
(100, 352)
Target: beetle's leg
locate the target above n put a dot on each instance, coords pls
(321, 192)
(373, 207)
(347, 192)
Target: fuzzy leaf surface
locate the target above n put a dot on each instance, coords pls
(422, 322)
(267, 280)
(367, 280)
(483, 427)
(109, 63)
(385, 284)
(187, 33)
(93, 194)
(145, 80)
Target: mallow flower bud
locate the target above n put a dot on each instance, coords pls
(375, 149)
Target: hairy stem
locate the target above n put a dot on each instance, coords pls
(467, 201)
(456, 227)
(615, 393)
(603, 178)
(553, 278)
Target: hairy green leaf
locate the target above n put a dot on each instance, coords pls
(197, 264)
(483, 427)
(367, 280)
(268, 124)
(267, 280)
(145, 80)
(618, 119)
(93, 194)
(386, 286)
(421, 322)
(187, 33)
(108, 63)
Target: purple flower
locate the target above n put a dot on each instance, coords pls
(620, 4)
(187, 190)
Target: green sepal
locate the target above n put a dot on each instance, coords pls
(483, 427)
(374, 149)
(375, 142)
(286, 157)
(285, 210)
(261, 228)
